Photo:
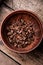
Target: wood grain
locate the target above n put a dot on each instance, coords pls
(32, 58)
(36, 56)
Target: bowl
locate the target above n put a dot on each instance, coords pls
(29, 19)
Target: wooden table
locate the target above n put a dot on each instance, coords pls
(36, 56)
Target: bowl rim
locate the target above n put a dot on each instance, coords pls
(39, 21)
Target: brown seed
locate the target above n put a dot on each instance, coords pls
(19, 46)
(23, 42)
(24, 45)
(11, 36)
(10, 40)
(16, 27)
(26, 42)
(24, 38)
(15, 45)
(10, 33)
(22, 20)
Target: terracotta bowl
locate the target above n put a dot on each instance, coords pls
(10, 18)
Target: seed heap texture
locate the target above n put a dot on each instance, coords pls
(20, 35)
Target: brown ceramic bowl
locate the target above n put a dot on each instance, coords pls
(10, 18)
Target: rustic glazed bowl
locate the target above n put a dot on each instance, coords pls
(11, 17)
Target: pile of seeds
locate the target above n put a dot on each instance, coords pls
(20, 35)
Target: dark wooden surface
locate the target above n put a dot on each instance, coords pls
(5, 60)
(36, 56)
